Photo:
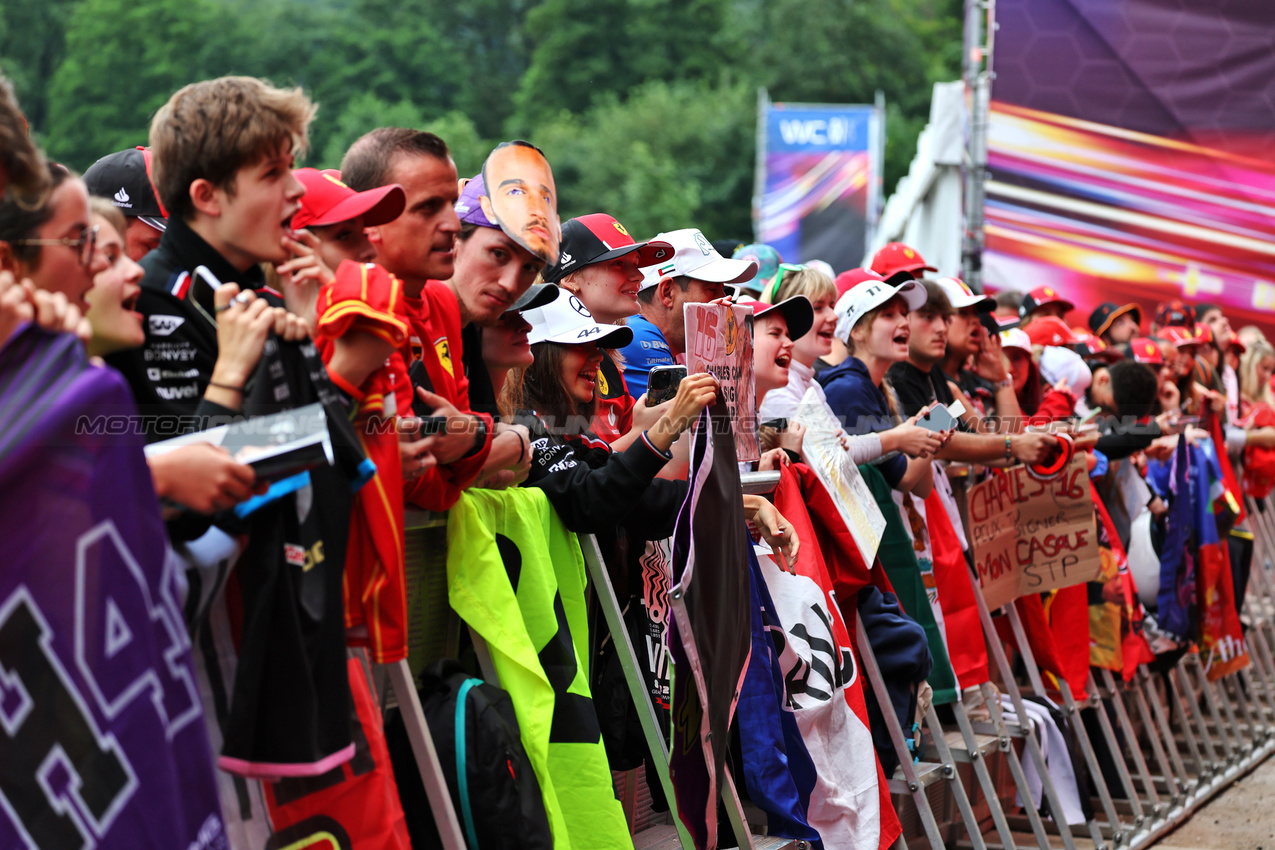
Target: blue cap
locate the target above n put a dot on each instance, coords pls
(767, 260)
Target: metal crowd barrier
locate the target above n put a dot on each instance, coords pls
(1172, 739)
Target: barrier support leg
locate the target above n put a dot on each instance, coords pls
(440, 799)
(1131, 738)
(954, 779)
(656, 746)
(1030, 742)
(916, 788)
(981, 771)
(1183, 780)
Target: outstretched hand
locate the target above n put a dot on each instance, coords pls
(774, 529)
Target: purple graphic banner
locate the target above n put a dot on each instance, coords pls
(1132, 154)
(102, 737)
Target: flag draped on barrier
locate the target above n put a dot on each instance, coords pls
(709, 633)
(102, 738)
(1221, 639)
(954, 583)
(898, 557)
(777, 768)
(850, 804)
(1175, 603)
(1115, 616)
(516, 576)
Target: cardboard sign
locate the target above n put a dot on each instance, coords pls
(1030, 536)
(840, 477)
(719, 341)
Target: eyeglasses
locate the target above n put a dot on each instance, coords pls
(85, 244)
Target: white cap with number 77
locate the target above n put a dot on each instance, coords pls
(863, 298)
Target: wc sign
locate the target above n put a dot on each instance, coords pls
(813, 129)
(833, 132)
(819, 177)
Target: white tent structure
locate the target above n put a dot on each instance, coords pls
(926, 209)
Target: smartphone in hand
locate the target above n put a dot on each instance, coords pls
(662, 384)
(941, 418)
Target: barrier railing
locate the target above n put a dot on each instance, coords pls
(1155, 748)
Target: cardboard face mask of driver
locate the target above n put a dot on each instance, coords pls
(522, 199)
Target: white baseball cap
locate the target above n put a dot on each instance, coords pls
(863, 298)
(568, 322)
(1016, 338)
(1058, 363)
(694, 256)
(961, 296)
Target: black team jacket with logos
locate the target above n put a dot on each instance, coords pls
(170, 370)
(290, 705)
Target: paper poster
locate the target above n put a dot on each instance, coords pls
(719, 341)
(840, 477)
(1030, 536)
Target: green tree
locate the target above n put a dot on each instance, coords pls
(32, 44)
(488, 54)
(468, 148)
(368, 111)
(671, 156)
(363, 113)
(124, 59)
(844, 51)
(585, 50)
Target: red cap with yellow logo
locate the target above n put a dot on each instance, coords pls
(596, 238)
(897, 257)
(329, 201)
(1146, 351)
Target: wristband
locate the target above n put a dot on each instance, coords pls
(522, 448)
(646, 438)
(1009, 449)
(480, 438)
(1006, 384)
(233, 389)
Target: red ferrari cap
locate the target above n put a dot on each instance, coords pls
(1051, 330)
(597, 238)
(897, 257)
(1147, 351)
(1039, 297)
(1179, 336)
(329, 201)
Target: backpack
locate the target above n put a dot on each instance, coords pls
(476, 734)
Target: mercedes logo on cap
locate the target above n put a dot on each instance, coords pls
(579, 307)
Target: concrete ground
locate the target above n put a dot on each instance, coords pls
(1241, 817)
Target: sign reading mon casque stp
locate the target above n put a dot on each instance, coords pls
(1031, 536)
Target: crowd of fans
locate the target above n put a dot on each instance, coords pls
(184, 265)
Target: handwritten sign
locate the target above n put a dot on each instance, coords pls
(719, 341)
(822, 450)
(1031, 536)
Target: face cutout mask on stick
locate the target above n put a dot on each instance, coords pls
(520, 196)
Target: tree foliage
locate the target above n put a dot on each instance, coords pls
(646, 108)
